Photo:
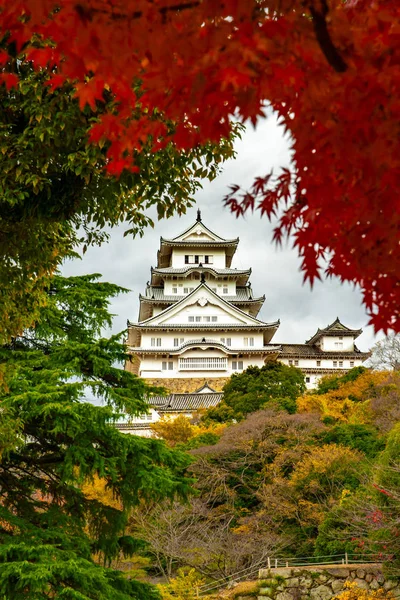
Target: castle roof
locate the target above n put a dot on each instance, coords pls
(155, 296)
(313, 351)
(159, 273)
(209, 343)
(334, 329)
(196, 237)
(184, 402)
(248, 319)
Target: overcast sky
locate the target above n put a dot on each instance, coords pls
(127, 261)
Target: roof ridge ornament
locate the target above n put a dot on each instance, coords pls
(198, 219)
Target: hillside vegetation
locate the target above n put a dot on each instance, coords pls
(281, 472)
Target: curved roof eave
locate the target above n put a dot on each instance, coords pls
(254, 320)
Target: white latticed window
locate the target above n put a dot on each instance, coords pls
(203, 364)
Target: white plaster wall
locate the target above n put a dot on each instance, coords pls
(180, 284)
(210, 310)
(326, 363)
(237, 339)
(330, 344)
(152, 368)
(178, 256)
(224, 288)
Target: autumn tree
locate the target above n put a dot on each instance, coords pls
(344, 398)
(386, 353)
(180, 430)
(327, 68)
(173, 430)
(273, 384)
(57, 442)
(183, 587)
(56, 194)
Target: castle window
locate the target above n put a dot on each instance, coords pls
(340, 363)
(167, 365)
(214, 319)
(248, 341)
(198, 319)
(318, 363)
(335, 363)
(208, 259)
(214, 290)
(174, 289)
(191, 319)
(308, 379)
(223, 340)
(228, 341)
(352, 363)
(237, 365)
(176, 341)
(296, 362)
(225, 289)
(338, 344)
(290, 362)
(155, 342)
(185, 290)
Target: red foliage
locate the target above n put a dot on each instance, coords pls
(330, 69)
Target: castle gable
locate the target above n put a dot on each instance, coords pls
(202, 306)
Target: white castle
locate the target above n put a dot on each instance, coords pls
(198, 325)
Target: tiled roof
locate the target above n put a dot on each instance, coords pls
(243, 294)
(199, 242)
(335, 328)
(132, 425)
(218, 326)
(183, 270)
(312, 350)
(209, 342)
(181, 402)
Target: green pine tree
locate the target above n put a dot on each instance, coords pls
(52, 440)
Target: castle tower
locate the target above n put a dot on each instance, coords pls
(198, 317)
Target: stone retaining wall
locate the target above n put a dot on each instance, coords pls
(188, 386)
(316, 583)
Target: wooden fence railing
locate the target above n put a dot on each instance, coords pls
(282, 562)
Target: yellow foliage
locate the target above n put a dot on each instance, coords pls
(96, 490)
(353, 592)
(330, 460)
(216, 428)
(349, 403)
(173, 430)
(183, 587)
(179, 430)
(320, 477)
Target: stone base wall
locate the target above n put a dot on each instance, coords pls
(315, 583)
(188, 386)
(132, 365)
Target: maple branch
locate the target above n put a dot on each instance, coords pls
(328, 48)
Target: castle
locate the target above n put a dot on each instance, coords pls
(198, 324)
